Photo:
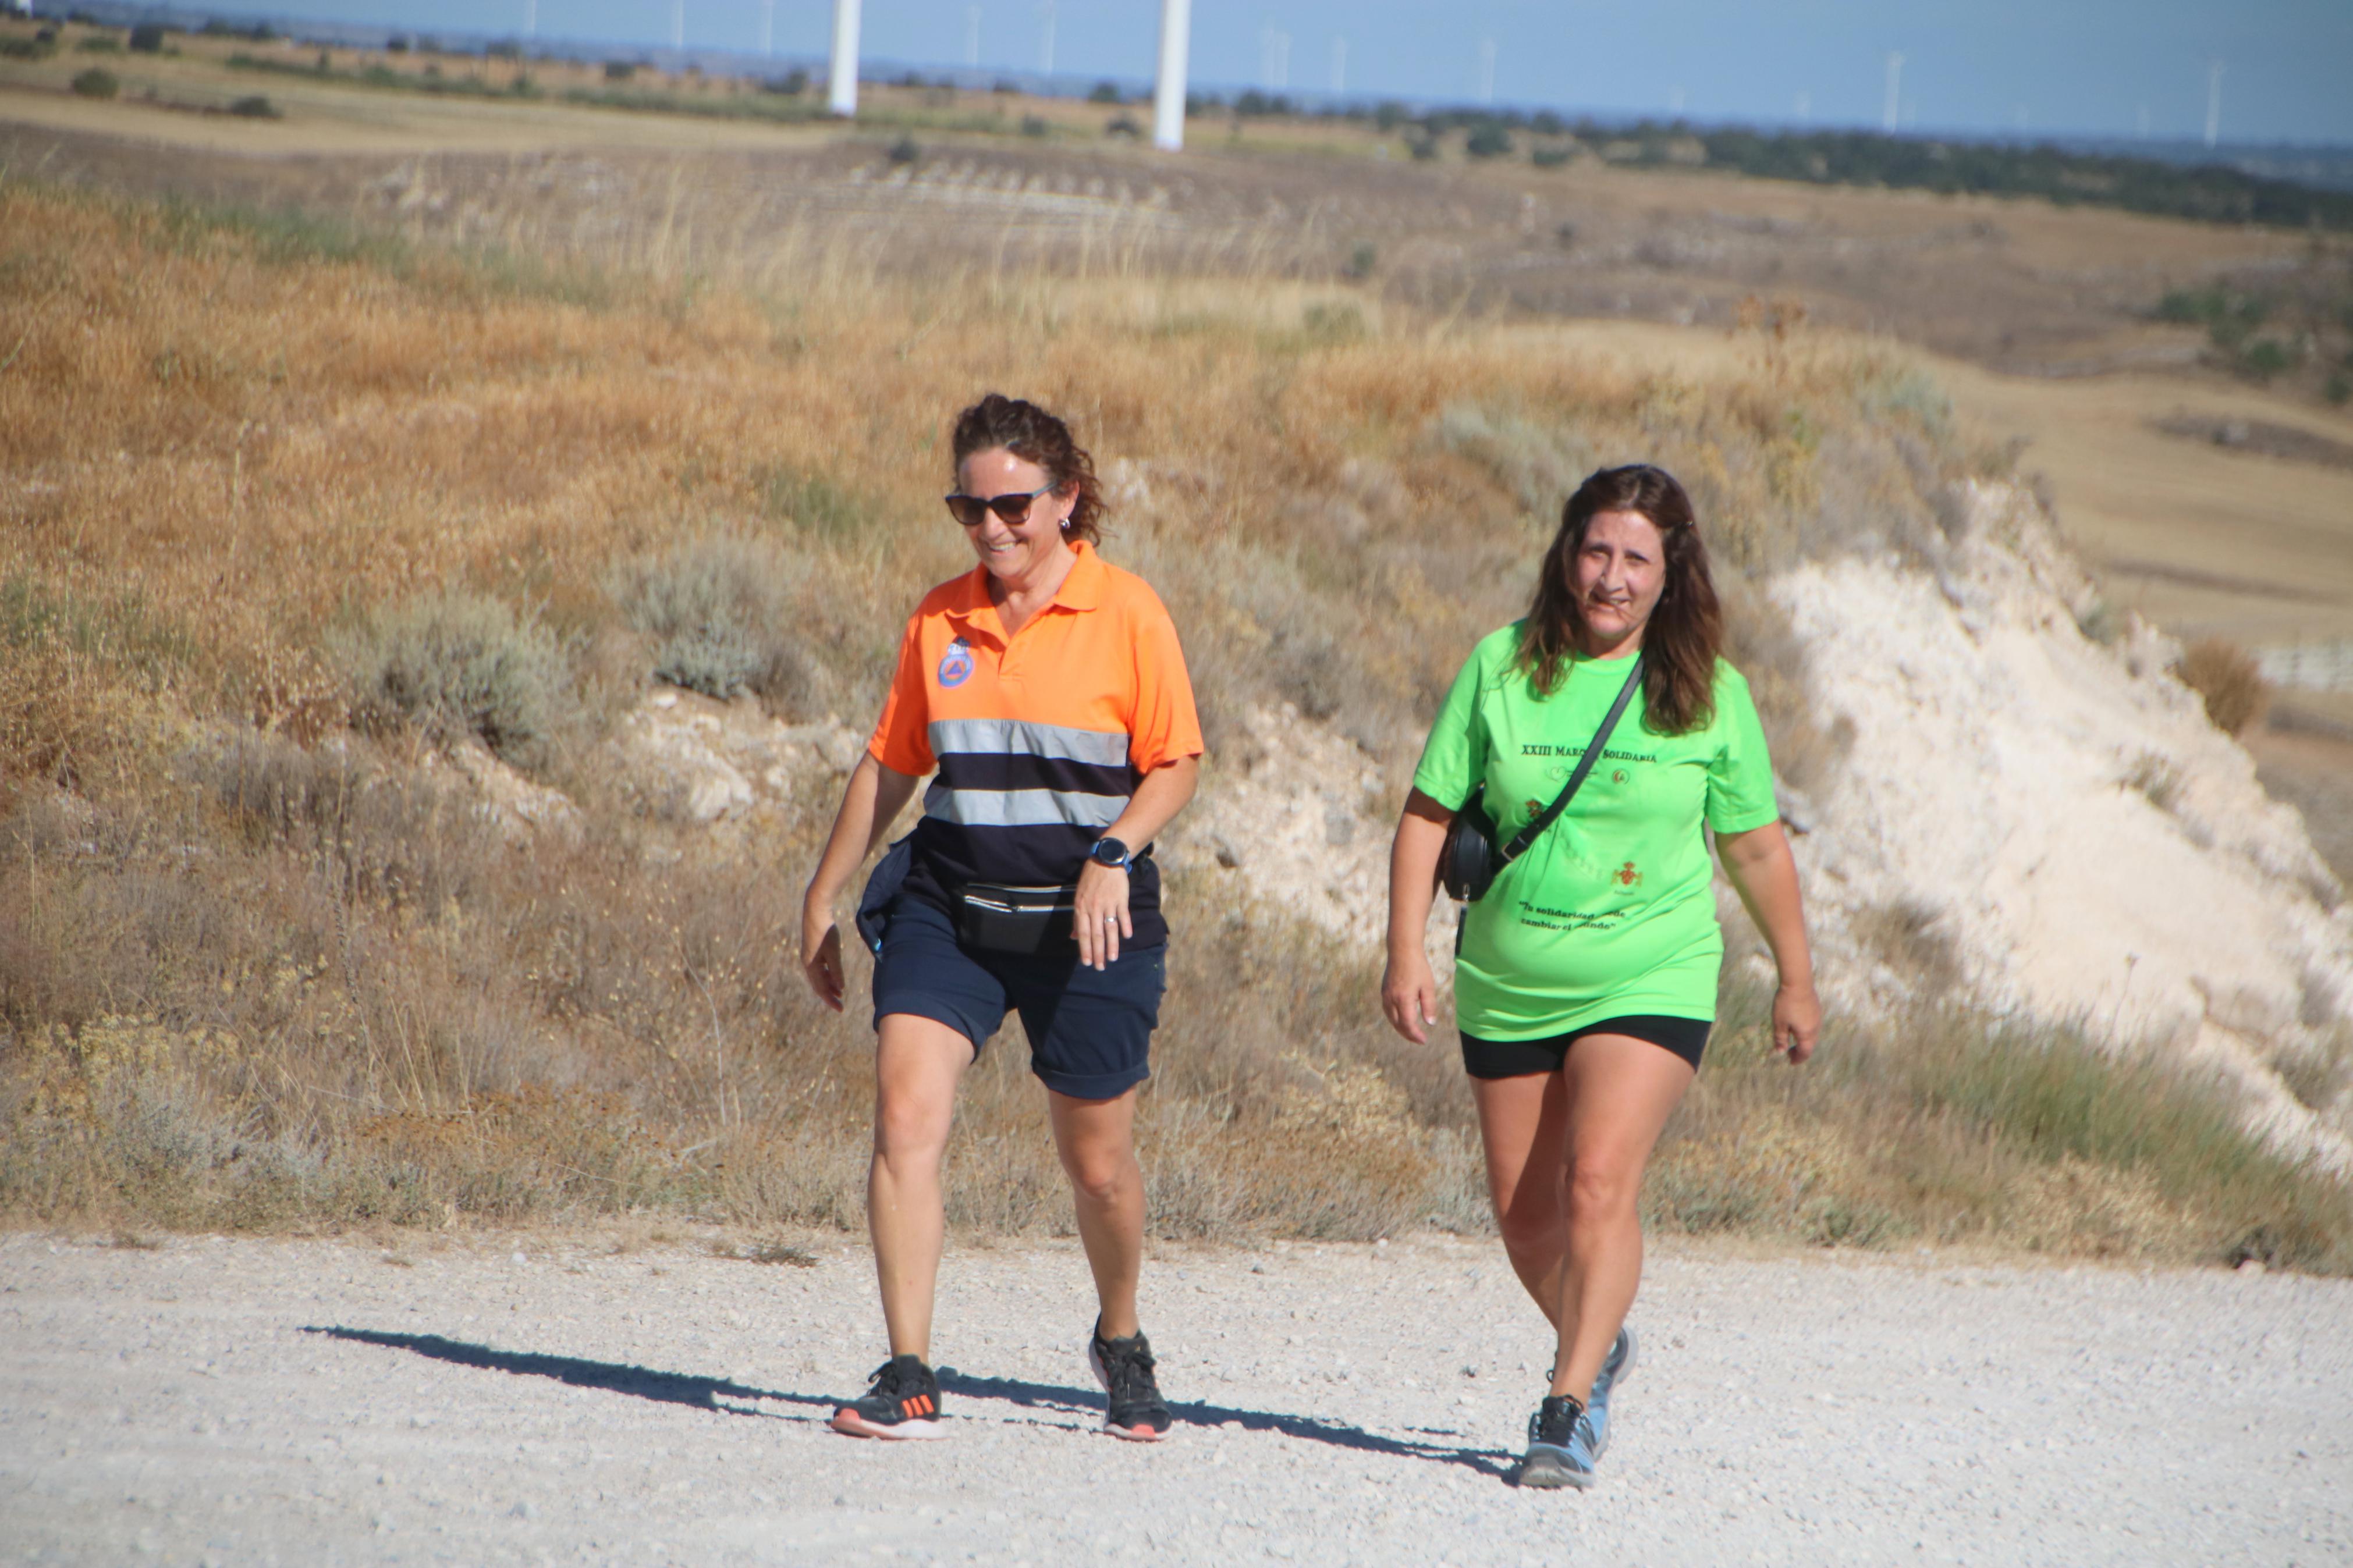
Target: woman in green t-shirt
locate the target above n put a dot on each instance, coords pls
(1585, 982)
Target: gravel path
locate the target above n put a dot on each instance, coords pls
(256, 1402)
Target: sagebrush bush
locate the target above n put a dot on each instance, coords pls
(2229, 681)
(721, 611)
(460, 663)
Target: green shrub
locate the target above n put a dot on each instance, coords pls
(1033, 126)
(147, 39)
(1488, 141)
(904, 150)
(620, 71)
(95, 82)
(717, 610)
(462, 663)
(256, 107)
(1104, 92)
(2265, 358)
(100, 44)
(1551, 157)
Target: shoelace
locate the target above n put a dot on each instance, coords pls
(883, 1379)
(1125, 1366)
(1570, 1412)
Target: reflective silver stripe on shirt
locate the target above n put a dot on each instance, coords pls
(1019, 737)
(1022, 807)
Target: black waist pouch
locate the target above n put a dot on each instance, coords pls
(1021, 923)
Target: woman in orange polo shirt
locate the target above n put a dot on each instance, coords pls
(1047, 691)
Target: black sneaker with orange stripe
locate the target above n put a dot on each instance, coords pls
(902, 1400)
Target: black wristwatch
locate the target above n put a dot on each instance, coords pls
(1111, 852)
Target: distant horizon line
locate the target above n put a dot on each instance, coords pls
(877, 70)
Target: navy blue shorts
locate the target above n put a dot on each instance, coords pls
(1090, 1030)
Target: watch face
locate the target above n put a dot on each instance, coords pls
(1110, 852)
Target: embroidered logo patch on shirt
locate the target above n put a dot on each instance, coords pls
(955, 664)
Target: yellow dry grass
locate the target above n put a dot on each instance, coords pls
(258, 970)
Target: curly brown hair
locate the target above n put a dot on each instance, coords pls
(1685, 634)
(1034, 436)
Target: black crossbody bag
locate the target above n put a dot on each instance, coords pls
(1469, 862)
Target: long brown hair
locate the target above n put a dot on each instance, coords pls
(1685, 633)
(1034, 436)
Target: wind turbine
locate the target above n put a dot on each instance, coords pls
(531, 19)
(1894, 90)
(842, 84)
(677, 26)
(1273, 57)
(2213, 103)
(1169, 86)
(767, 26)
(1339, 65)
(1046, 48)
(971, 37)
(1487, 71)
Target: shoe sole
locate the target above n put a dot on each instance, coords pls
(1134, 1434)
(1626, 1366)
(1546, 1468)
(1126, 1433)
(1617, 1379)
(851, 1423)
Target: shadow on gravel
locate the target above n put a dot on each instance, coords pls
(1045, 1396)
(704, 1393)
(612, 1377)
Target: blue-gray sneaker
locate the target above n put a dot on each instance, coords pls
(1614, 1368)
(1560, 1445)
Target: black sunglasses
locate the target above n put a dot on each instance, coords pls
(1013, 506)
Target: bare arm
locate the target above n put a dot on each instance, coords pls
(1102, 917)
(872, 801)
(1765, 875)
(1408, 988)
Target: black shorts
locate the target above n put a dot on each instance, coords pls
(1090, 1030)
(1687, 1038)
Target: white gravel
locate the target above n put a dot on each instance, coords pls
(257, 1401)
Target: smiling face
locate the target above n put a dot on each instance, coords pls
(1615, 580)
(1015, 552)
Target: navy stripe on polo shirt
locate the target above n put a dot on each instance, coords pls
(980, 773)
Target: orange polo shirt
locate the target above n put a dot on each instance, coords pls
(1040, 738)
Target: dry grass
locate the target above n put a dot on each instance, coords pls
(258, 969)
(2229, 681)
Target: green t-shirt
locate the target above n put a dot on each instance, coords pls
(1610, 911)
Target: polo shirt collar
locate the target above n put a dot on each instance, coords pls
(1081, 589)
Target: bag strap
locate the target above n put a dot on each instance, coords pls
(1544, 818)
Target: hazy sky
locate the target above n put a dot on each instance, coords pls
(2100, 67)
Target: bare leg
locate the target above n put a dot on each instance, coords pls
(1096, 1139)
(917, 1062)
(1619, 1093)
(1523, 1125)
